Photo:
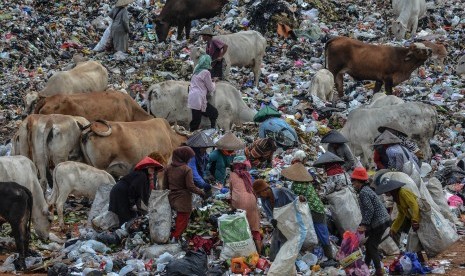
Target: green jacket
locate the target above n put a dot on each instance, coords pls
(217, 165)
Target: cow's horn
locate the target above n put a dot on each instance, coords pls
(95, 128)
(180, 132)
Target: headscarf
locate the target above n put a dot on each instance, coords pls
(240, 168)
(205, 63)
(181, 156)
(333, 169)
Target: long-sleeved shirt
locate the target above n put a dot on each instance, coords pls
(344, 152)
(201, 85)
(198, 175)
(282, 196)
(407, 207)
(374, 213)
(217, 165)
(307, 190)
(398, 156)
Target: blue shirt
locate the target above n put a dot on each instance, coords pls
(198, 176)
(282, 196)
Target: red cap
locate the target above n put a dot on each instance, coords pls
(359, 173)
(148, 162)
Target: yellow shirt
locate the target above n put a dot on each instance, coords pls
(408, 208)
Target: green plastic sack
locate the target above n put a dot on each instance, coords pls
(265, 113)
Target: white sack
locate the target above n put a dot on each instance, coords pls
(107, 220)
(159, 216)
(100, 203)
(345, 210)
(236, 236)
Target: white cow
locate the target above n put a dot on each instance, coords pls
(408, 12)
(89, 76)
(460, 69)
(322, 85)
(439, 52)
(417, 119)
(168, 100)
(245, 49)
(76, 178)
(21, 170)
(381, 99)
(49, 140)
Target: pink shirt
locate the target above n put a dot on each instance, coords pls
(201, 85)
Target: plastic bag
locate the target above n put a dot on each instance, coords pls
(293, 221)
(159, 216)
(100, 203)
(236, 236)
(413, 242)
(388, 246)
(155, 251)
(345, 210)
(101, 45)
(435, 189)
(105, 221)
(193, 264)
(406, 264)
(435, 232)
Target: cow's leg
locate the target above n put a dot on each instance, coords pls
(257, 71)
(413, 31)
(388, 86)
(187, 27)
(378, 85)
(340, 84)
(180, 31)
(60, 202)
(19, 230)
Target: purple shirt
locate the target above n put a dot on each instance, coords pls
(201, 85)
(213, 49)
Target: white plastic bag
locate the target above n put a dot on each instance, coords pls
(388, 246)
(236, 236)
(436, 233)
(100, 203)
(104, 40)
(105, 221)
(293, 221)
(159, 216)
(406, 264)
(435, 189)
(345, 210)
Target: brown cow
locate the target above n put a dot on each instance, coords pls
(439, 52)
(120, 145)
(381, 63)
(112, 106)
(180, 13)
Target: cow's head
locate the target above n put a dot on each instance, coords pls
(30, 101)
(162, 29)
(418, 52)
(398, 29)
(42, 223)
(196, 52)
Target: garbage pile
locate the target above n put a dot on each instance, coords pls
(30, 55)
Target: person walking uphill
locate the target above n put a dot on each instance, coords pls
(216, 50)
(375, 218)
(120, 26)
(302, 186)
(243, 197)
(221, 158)
(201, 85)
(127, 196)
(178, 179)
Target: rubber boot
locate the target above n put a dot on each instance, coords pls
(328, 252)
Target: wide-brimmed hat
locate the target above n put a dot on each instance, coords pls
(360, 173)
(259, 185)
(121, 3)
(206, 31)
(327, 158)
(392, 125)
(297, 172)
(388, 185)
(147, 162)
(378, 176)
(229, 141)
(200, 140)
(334, 137)
(387, 138)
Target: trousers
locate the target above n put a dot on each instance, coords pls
(182, 220)
(371, 245)
(211, 112)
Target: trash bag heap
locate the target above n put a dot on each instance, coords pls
(40, 38)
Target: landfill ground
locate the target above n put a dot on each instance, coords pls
(30, 56)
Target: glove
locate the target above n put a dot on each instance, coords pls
(207, 187)
(302, 198)
(392, 234)
(274, 223)
(361, 229)
(415, 226)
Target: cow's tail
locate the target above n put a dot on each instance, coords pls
(48, 135)
(326, 50)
